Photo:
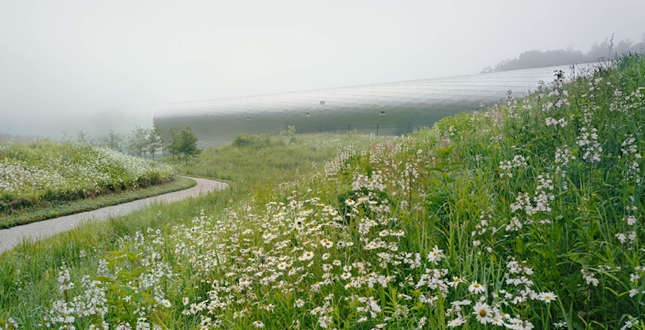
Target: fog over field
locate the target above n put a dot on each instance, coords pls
(76, 65)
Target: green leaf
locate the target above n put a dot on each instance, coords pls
(118, 253)
(140, 298)
(519, 245)
(616, 293)
(124, 273)
(103, 279)
(132, 257)
(139, 271)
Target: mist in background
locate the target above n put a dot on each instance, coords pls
(95, 66)
(599, 52)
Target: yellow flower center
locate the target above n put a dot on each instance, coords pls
(482, 313)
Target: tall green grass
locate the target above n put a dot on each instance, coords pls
(255, 164)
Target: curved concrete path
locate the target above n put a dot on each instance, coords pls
(38, 230)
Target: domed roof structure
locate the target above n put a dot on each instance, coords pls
(384, 109)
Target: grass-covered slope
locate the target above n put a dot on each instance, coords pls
(45, 174)
(254, 161)
(528, 215)
(28, 273)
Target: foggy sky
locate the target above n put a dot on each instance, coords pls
(98, 65)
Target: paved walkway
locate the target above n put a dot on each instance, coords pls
(38, 230)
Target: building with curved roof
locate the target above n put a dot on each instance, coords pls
(388, 109)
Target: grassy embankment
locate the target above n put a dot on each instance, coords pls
(50, 210)
(28, 273)
(528, 215)
(45, 179)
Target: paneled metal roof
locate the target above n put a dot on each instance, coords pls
(391, 108)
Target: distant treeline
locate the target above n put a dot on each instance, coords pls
(599, 51)
(147, 141)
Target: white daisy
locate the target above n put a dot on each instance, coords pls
(483, 312)
(456, 322)
(547, 296)
(476, 288)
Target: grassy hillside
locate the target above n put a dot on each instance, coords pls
(28, 273)
(526, 216)
(256, 163)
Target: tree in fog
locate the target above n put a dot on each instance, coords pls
(601, 51)
(605, 50)
(155, 142)
(171, 141)
(83, 138)
(186, 144)
(112, 140)
(138, 141)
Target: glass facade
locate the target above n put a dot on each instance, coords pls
(384, 109)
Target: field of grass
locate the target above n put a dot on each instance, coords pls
(526, 216)
(42, 175)
(256, 163)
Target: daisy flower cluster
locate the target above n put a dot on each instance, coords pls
(505, 166)
(131, 284)
(67, 169)
(328, 265)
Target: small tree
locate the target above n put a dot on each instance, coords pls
(154, 140)
(290, 134)
(138, 141)
(187, 144)
(112, 140)
(83, 138)
(172, 141)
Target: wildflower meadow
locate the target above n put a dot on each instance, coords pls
(528, 215)
(54, 172)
